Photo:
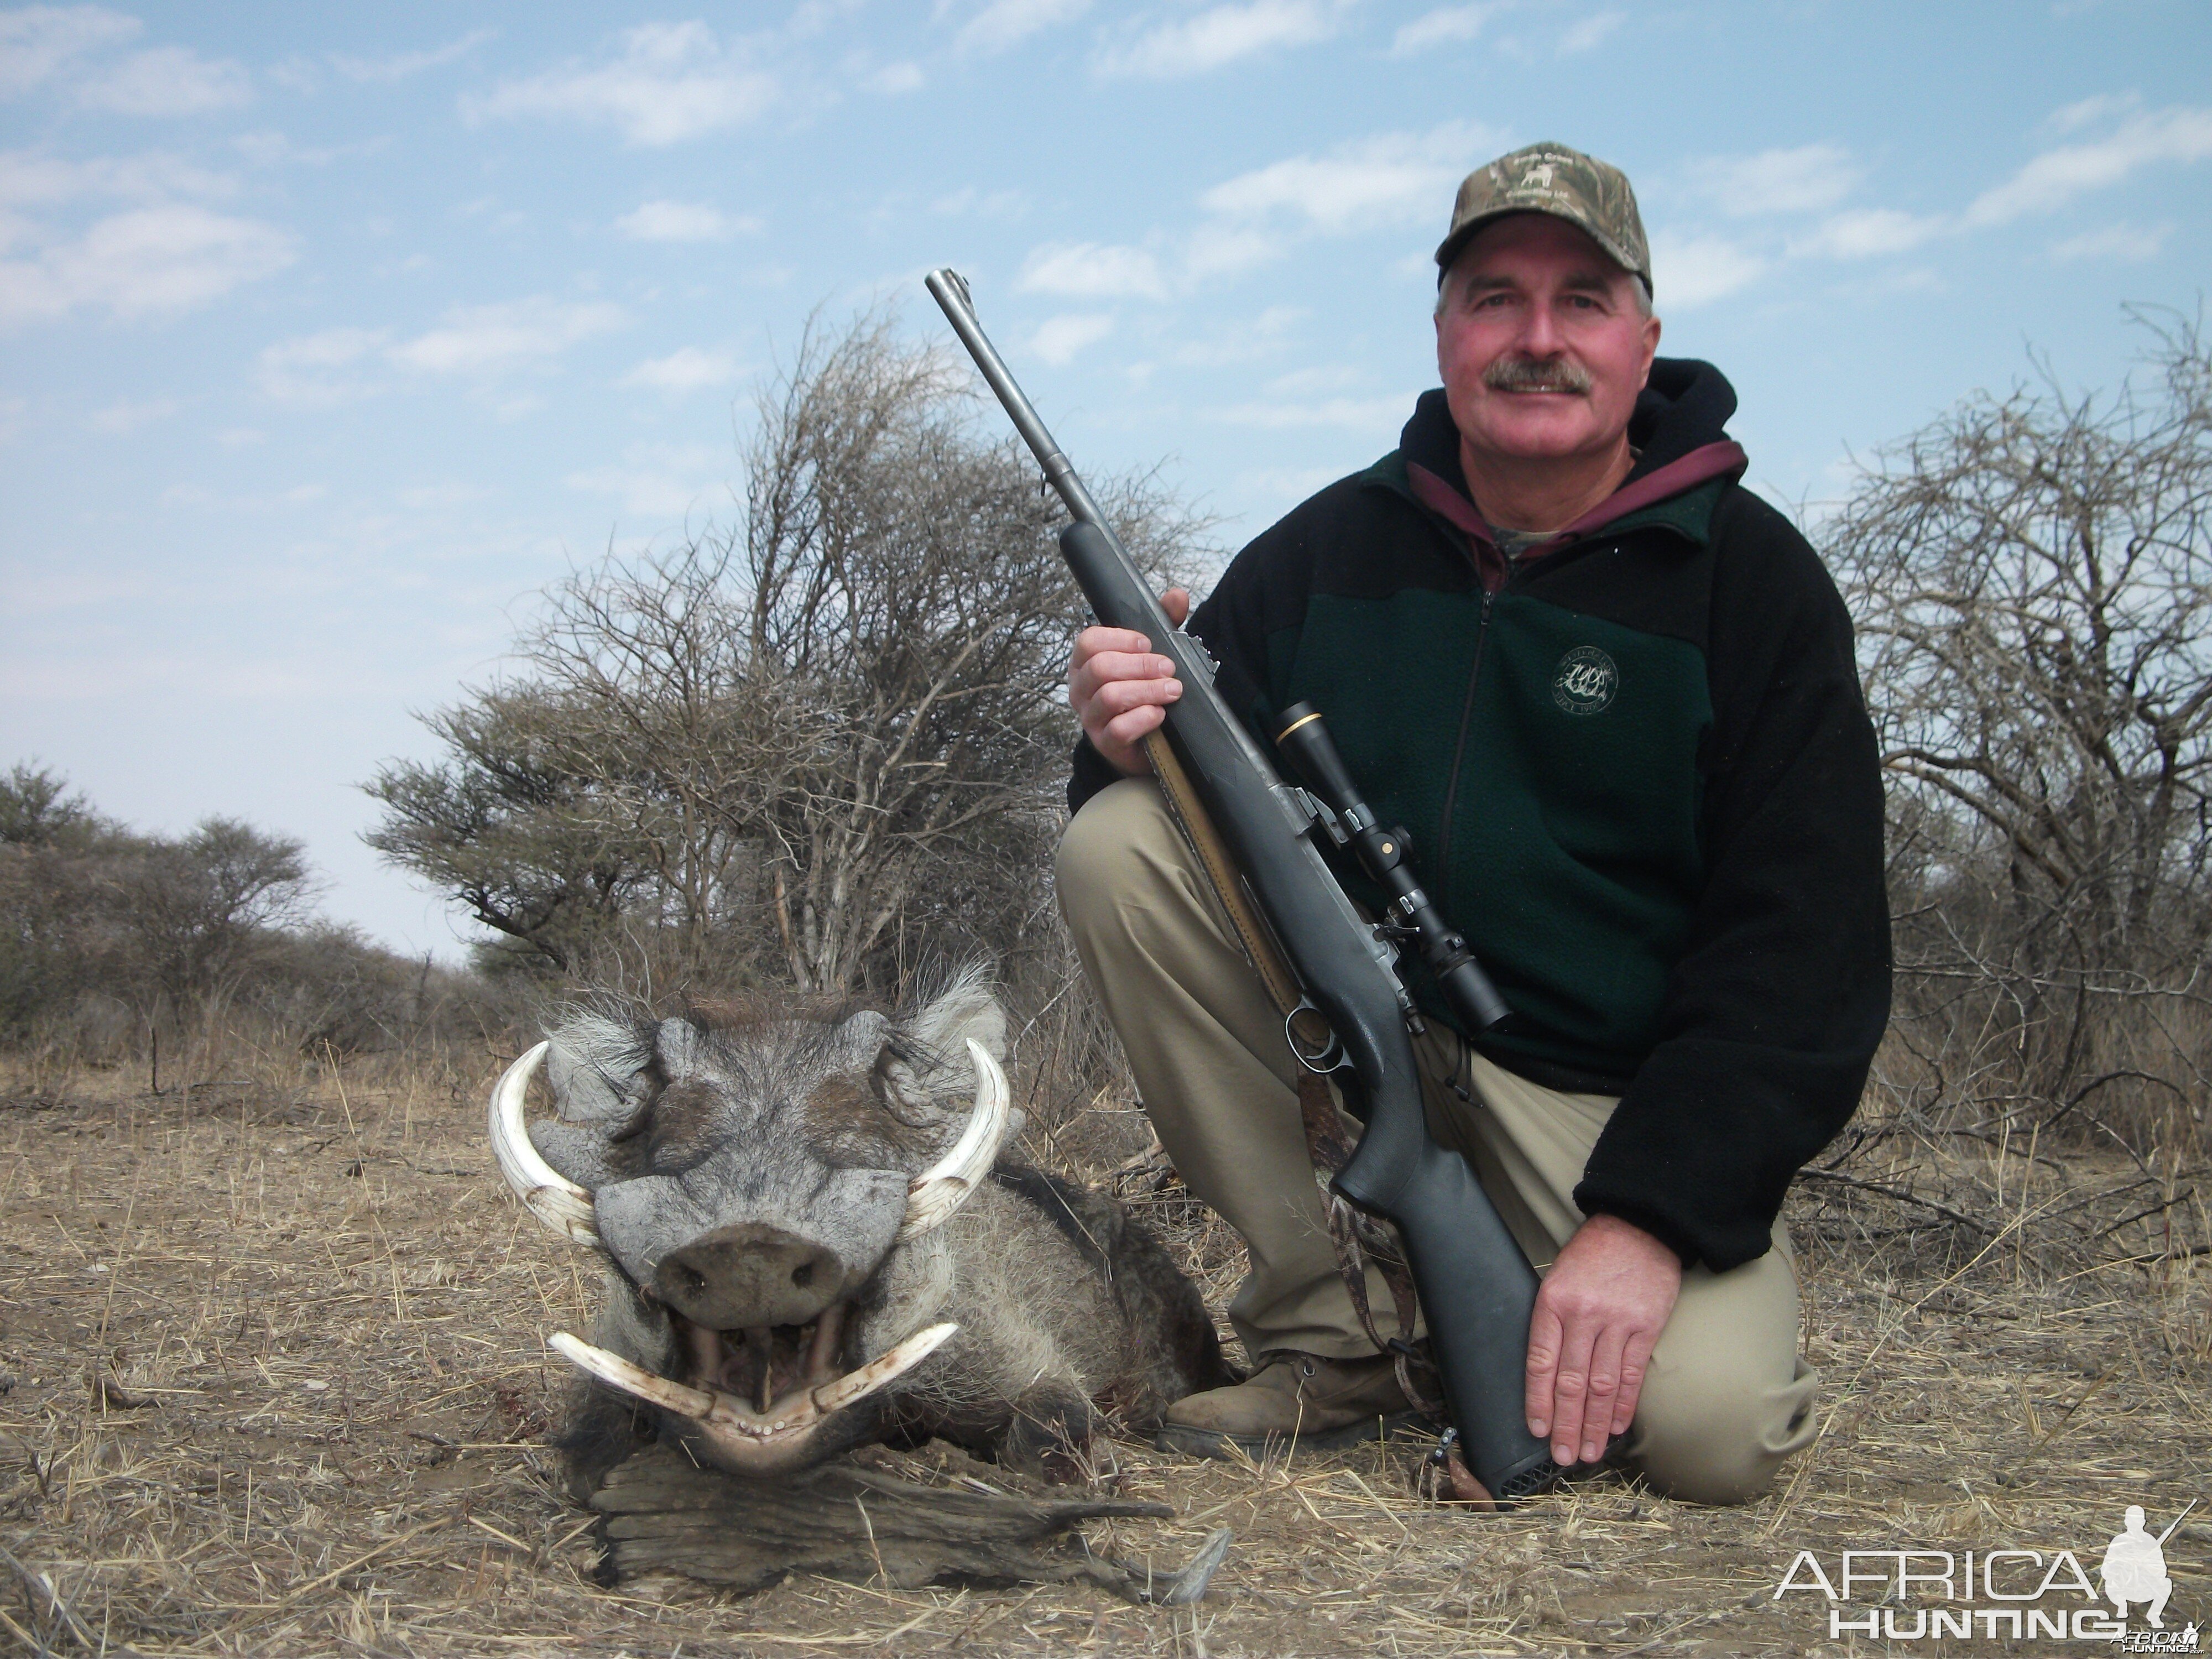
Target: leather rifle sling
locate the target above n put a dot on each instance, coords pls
(1327, 1143)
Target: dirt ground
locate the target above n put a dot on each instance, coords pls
(273, 1380)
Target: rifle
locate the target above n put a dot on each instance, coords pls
(1469, 1273)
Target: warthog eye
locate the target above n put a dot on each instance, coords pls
(694, 1280)
(803, 1274)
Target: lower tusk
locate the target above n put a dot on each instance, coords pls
(614, 1369)
(892, 1364)
(551, 1196)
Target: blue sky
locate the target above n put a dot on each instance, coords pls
(333, 334)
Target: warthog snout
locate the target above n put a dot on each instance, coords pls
(748, 1274)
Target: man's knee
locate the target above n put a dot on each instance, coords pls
(1714, 1435)
(1107, 849)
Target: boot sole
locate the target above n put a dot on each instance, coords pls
(1212, 1443)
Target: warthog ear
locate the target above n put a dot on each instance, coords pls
(924, 1071)
(592, 1065)
(966, 1010)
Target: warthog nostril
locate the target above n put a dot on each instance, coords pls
(749, 1273)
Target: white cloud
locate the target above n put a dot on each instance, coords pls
(37, 41)
(2074, 117)
(683, 222)
(1221, 36)
(1060, 338)
(688, 368)
(1357, 414)
(303, 370)
(31, 178)
(1867, 234)
(2126, 243)
(400, 65)
(127, 416)
(1219, 249)
(168, 81)
(1688, 271)
(893, 79)
(1445, 25)
(488, 340)
(670, 82)
(1005, 23)
(1091, 270)
(660, 481)
(1806, 180)
(143, 262)
(2057, 176)
(337, 365)
(1591, 33)
(1393, 178)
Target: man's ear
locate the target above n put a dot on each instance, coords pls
(1650, 346)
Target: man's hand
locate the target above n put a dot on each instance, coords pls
(1121, 687)
(1598, 1313)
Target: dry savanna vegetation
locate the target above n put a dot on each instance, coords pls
(273, 1375)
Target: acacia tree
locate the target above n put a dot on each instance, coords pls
(814, 740)
(2031, 575)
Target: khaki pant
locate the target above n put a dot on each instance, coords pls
(1726, 1397)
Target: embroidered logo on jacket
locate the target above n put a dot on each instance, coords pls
(1584, 681)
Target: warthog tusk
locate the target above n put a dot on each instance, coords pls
(748, 1436)
(551, 1196)
(937, 1191)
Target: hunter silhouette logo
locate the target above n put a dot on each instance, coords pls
(1584, 681)
(2134, 1567)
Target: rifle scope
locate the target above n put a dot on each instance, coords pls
(1305, 743)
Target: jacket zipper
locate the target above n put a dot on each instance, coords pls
(1442, 865)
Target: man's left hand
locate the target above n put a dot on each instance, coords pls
(1598, 1313)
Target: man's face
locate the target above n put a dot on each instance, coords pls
(1542, 346)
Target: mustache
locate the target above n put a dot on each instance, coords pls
(1535, 374)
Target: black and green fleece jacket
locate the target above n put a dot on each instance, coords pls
(1637, 773)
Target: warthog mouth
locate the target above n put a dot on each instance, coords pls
(774, 1435)
(786, 1381)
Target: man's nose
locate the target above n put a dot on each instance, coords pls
(1539, 334)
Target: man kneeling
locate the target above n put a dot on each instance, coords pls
(1612, 694)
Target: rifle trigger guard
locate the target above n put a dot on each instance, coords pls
(1328, 1058)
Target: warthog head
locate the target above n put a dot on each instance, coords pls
(749, 1171)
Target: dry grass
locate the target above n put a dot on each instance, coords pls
(277, 1384)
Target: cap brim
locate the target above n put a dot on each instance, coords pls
(1455, 244)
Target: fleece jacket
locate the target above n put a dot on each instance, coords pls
(1635, 769)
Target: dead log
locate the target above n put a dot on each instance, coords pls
(858, 1520)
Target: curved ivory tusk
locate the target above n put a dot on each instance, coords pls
(937, 1191)
(551, 1196)
(895, 1361)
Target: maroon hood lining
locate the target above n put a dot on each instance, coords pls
(1725, 459)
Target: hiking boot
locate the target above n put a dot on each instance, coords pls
(1294, 1400)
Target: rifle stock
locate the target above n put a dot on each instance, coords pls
(1476, 1286)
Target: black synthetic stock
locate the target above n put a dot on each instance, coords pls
(1477, 1287)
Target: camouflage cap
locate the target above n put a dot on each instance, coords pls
(1564, 183)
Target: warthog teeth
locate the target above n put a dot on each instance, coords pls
(937, 1191)
(551, 1196)
(729, 1422)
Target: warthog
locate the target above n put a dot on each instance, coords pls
(811, 1244)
